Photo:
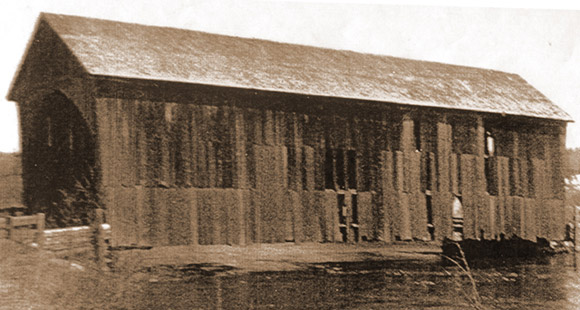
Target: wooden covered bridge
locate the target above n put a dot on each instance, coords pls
(187, 137)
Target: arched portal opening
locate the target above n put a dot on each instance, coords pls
(58, 158)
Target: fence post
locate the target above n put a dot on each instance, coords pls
(99, 239)
(10, 228)
(40, 219)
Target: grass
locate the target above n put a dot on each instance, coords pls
(472, 294)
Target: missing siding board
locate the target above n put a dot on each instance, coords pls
(329, 169)
(340, 167)
(463, 132)
(351, 169)
(429, 207)
(291, 162)
(491, 175)
(427, 173)
(417, 134)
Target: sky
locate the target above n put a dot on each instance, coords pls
(539, 40)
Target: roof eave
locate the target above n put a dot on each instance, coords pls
(409, 103)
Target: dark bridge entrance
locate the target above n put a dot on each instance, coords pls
(58, 157)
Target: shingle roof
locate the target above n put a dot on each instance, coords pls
(110, 48)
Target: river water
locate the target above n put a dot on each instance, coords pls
(551, 283)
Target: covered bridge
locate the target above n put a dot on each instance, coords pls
(187, 137)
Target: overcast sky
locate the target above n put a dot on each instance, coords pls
(541, 42)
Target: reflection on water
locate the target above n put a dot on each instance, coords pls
(551, 284)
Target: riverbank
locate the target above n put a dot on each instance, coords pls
(275, 257)
(280, 276)
(35, 279)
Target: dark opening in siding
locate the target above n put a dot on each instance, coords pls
(355, 227)
(417, 135)
(340, 177)
(429, 206)
(354, 201)
(491, 184)
(291, 153)
(329, 170)
(351, 168)
(426, 173)
(342, 217)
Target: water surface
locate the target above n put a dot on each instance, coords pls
(542, 284)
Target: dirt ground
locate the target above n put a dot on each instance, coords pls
(276, 257)
(36, 279)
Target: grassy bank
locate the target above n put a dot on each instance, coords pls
(33, 279)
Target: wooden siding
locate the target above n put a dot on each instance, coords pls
(180, 163)
(209, 173)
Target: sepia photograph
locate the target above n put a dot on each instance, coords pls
(196, 154)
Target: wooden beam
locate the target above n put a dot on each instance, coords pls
(241, 173)
(443, 152)
(407, 142)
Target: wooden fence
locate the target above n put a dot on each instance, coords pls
(30, 229)
(24, 229)
(72, 238)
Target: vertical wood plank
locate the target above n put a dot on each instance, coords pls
(268, 127)
(479, 140)
(166, 121)
(454, 173)
(184, 156)
(389, 197)
(492, 213)
(128, 142)
(141, 145)
(405, 231)
(140, 214)
(297, 214)
(467, 171)
(196, 145)
(193, 216)
(160, 208)
(210, 153)
(399, 171)
(114, 142)
(241, 174)
(524, 181)
(388, 171)
(104, 141)
(202, 165)
(366, 218)
(407, 141)
(308, 161)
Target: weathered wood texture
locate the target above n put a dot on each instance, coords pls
(23, 229)
(222, 173)
(73, 238)
(269, 163)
